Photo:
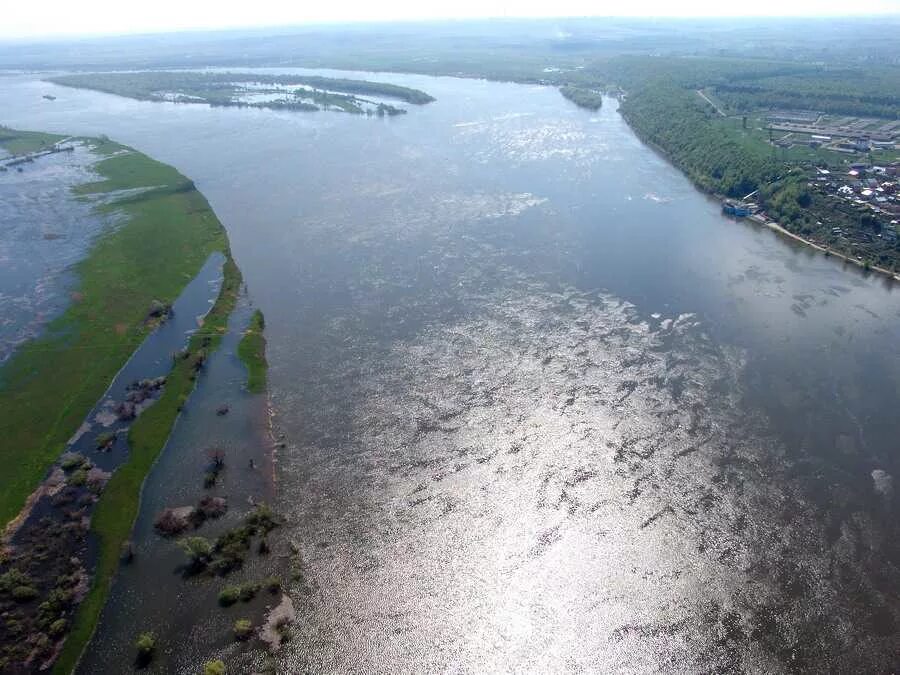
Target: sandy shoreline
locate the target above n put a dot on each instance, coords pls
(772, 225)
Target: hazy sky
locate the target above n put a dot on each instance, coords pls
(27, 18)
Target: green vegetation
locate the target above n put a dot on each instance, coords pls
(119, 503)
(697, 140)
(230, 548)
(51, 383)
(363, 87)
(288, 92)
(243, 629)
(872, 91)
(214, 668)
(583, 98)
(708, 115)
(145, 646)
(49, 386)
(23, 142)
(252, 351)
(229, 595)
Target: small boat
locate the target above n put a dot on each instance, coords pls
(735, 209)
(49, 97)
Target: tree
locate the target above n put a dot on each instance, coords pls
(198, 550)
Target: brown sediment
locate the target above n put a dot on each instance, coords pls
(272, 455)
(50, 487)
(280, 616)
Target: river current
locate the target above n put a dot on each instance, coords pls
(546, 409)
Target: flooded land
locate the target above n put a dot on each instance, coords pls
(537, 404)
(44, 233)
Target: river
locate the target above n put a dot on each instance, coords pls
(546, 408)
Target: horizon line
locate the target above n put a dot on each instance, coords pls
(359, 23)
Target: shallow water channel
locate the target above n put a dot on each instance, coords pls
(546, 408)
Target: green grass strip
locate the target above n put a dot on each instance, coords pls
(49, 385)
(118, 507)
(24, 142)
(252, 351)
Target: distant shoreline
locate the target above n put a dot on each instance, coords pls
(772, 225)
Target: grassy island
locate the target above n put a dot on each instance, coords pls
(50, 384)
(583, 98)
(279, 92)
(252, 351)
(165, 232)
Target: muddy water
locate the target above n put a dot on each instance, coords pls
(547, 409)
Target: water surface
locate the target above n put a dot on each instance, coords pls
(547, 409)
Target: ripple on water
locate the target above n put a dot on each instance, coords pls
(557, 481)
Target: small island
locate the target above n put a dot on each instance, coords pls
(253, 90)
(589, 99)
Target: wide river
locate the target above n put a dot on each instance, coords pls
(546, 408)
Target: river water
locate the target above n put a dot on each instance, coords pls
(43, 233)
(546, 408)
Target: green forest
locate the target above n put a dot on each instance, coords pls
(723, 154)
(583, 98)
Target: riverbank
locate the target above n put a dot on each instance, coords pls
(775, 227)
(161, 232)
(119, 503)
(164, 232)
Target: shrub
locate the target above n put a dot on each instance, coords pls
(24, 593)
(198, 551)
(249, 591)
(15, 577)
(243, 629)
(229, 595)
(169, 523)
(272, 584)
(212, 507)
(262, 519)
(71, 461)
(145, 645)
(78, 478)
(214, 668)
(57, 628)
(126, 552)
(105, 440)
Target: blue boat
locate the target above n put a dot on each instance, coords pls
(737, 210)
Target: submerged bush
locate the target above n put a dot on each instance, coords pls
(14, 577)
(249, 591)
(214, 668)
(198, 550)
(78, 478)
(24, 593)
(243, 629)
(71, 461)
(145, 645)
(229, 595)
